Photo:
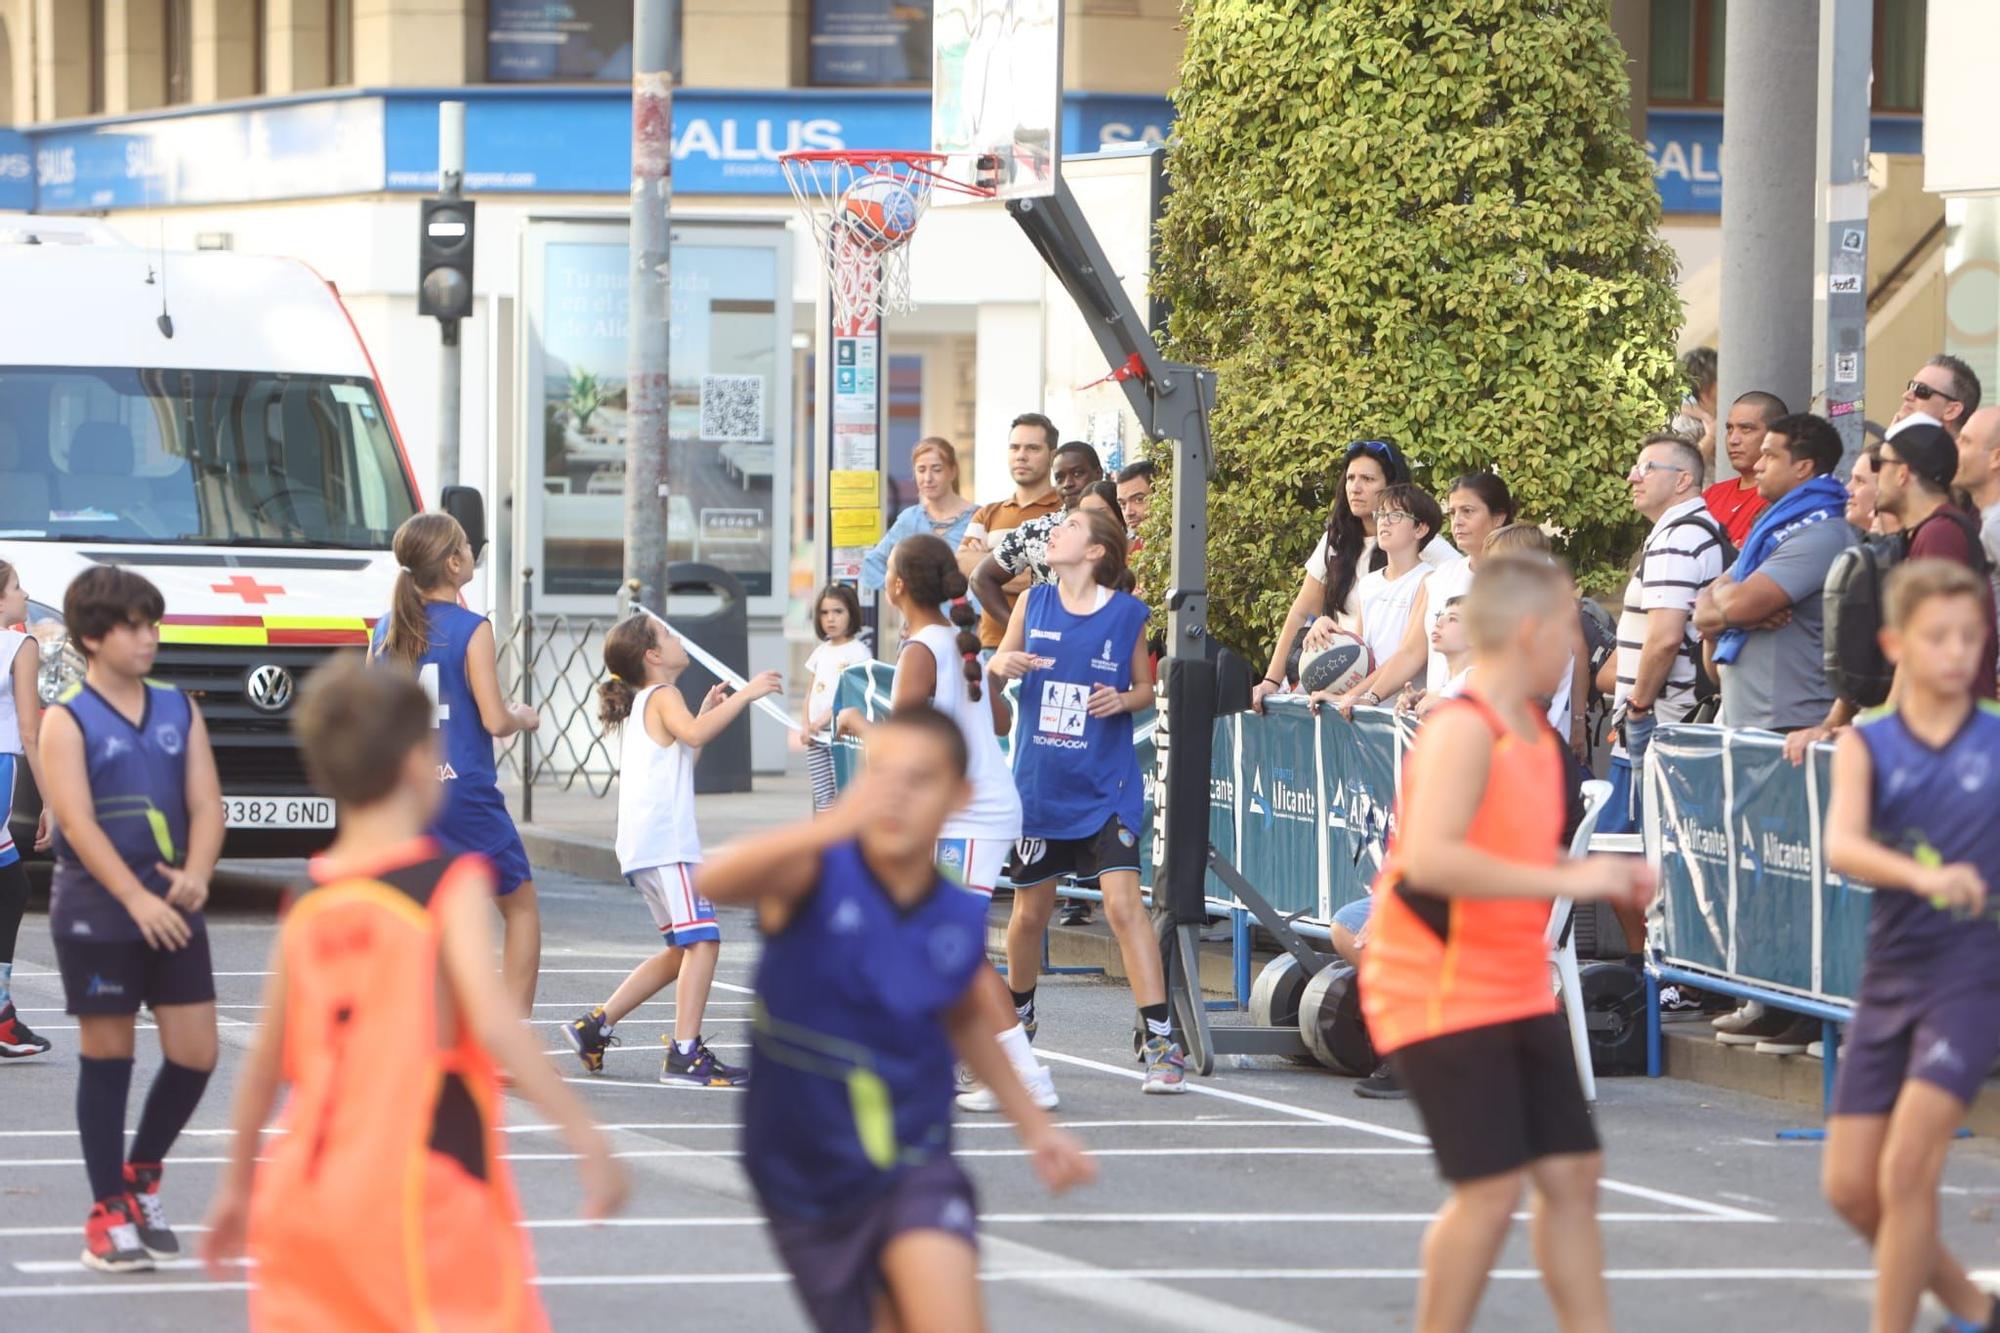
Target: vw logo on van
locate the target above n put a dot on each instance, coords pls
(269, 688)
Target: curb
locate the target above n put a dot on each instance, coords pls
(572, 854)
(1696, 1057)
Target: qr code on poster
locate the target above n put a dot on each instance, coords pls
(732, 407)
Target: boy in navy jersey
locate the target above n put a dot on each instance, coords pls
(867, 985)
(1911, 815)
(138, 813)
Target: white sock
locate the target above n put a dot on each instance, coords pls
(1014, 1041)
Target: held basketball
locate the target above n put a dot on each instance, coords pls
(880, 210)
(1340, 666)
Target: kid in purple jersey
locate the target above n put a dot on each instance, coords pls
(1911, 816)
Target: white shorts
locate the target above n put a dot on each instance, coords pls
(683, 916)
(974, 862)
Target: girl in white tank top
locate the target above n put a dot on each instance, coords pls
(939, 667)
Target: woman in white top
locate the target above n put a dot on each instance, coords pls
(1405, 519)
(659, 740)
(1345, 552)
(20, 734)
(938, 666)
(1478, 504)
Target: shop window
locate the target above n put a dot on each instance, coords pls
(870, 43)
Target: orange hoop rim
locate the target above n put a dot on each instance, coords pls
(918, 164)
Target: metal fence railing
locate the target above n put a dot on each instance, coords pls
(554, 664)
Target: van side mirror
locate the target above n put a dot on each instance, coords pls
(465, 504)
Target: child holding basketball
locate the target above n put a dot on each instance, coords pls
(872, 975)
(658, 847)
(451, 651)
(386, 1202)
(1912, 816)
(1455, 978)
(837, 622)
(138, 816)
(938, 667)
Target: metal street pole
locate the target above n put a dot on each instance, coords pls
(655, 33)
(1840, 249)
(451, 183)
(1768, 106)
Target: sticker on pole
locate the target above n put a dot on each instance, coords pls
(1844, 284)
(1846, 367)
(1853, 240)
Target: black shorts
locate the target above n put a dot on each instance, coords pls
(1496, 1098)
(836, 1262)
(117, 976)
(1039, 860)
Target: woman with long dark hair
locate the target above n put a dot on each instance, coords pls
(1345, 552)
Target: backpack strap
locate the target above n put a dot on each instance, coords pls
(1965, 524)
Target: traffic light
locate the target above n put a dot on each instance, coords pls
(444, 259)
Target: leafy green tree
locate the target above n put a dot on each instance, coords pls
(1425, 220)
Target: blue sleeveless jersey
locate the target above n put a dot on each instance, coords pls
(138, 791)
(1075, 771)
(1934, 803)
(853, 1070)
(471, 781)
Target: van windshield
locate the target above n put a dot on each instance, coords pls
(197, 456)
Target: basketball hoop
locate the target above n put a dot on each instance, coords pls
(864, 205)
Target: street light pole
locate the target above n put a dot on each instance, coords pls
(655, 25)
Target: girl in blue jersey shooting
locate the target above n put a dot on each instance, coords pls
(1078, 647)
(871, 977)
(451, 650)
(1912, 816)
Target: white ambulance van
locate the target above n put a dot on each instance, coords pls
(213, 421)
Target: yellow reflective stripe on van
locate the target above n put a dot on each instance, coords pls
(255, 636)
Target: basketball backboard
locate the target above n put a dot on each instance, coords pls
(996, 95)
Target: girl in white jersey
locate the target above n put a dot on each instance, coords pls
(938, 665)
(20, 729)
(658, 848)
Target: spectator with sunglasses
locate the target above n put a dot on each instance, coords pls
(1326, 598)
(1944, 389)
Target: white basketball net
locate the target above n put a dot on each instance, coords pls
(863, 209)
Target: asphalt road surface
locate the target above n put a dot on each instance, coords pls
(1268, 1198)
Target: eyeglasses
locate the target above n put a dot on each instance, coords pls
(1648, 467)
(1379, 448)
(1389, 518)
(1883, 458)
(1924, 393)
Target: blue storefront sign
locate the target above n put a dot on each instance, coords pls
(871, 42)
(577, 140)
(17, 172)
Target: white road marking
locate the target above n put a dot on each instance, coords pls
(1716, 1211)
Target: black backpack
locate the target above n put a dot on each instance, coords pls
(1855, 665)
(1706, 687)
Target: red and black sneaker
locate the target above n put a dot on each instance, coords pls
(142, 1184)
(111, 1241)
(16, 1039)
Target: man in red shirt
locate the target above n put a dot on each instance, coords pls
(1735, 502)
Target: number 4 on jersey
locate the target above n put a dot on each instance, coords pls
(440, 713)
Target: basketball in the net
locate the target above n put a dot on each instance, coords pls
(1340, 666)
(880, 211)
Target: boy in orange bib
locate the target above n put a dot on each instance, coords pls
(1455, 979)
(385, 1204)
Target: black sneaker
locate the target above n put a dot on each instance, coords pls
(587, 1037)
(111, 1238)
(1075, 912)
(16, 1038)
(1765, 1026)
(1801, 1033)
(142, 1191)
(1381, 1085)
(701, 1069)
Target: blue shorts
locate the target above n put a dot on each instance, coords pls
(9, 853)
(118, 976)
(1355, 916)
(1949, 1041)
(486, 828)
(836, 1262)
(1621, 812)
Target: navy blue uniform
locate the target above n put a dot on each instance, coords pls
(474, 815)
(1082, 794)
(847, 1131)
(138, 793)
(1929, 1004)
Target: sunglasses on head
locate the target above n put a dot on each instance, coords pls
(1925, 393)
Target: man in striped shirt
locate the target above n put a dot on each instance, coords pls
(1656, 660)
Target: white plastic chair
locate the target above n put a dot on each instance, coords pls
(1562, 941)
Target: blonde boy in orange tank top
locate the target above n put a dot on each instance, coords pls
(1454, 981)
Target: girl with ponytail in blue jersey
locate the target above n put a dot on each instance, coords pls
(451, 650)
(1078, 647)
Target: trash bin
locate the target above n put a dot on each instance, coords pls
(725, 634)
